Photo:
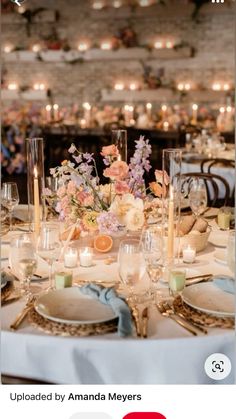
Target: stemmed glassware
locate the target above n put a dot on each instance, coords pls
(152, 243)
(10, 198)
(131, 264)
(48, 247)
(23, 260)
(197, 196)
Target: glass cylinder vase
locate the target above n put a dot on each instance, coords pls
(171, 201)
(119, 138)
(35, 182)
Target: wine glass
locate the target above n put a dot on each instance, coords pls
(231, 251)
(131, 264)
(152, 242)
(198, 196)
(48, 247)
(10, 198)
(23, 259)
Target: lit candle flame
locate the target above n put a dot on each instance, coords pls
(35, 173)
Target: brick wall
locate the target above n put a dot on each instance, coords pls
(213, 39)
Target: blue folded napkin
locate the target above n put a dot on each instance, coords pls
(118, 305)
(224, 282)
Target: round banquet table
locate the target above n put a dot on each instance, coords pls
(192, 163)
(170, 354)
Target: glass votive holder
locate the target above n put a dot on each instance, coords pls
(177, 280)
(86, 256)
(63, 279)
(189, 253)
(224, 217)
(71, 257)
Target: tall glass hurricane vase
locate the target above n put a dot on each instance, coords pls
(171, 199)
(35, 182)
(119, 138)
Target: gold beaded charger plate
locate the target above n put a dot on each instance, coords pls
(209, 298)
(71, 306)
(201, 318)
(63, 329)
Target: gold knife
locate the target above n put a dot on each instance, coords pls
(135, 315)
(145, 322)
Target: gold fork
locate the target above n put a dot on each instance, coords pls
(167, 313)
(20, 317)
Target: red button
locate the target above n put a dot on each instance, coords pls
(144, 415)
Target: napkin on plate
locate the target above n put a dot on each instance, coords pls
(224, 282)
(110, 297)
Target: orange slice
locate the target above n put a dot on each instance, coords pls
(103, 243)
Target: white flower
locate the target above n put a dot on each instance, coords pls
(122, 205)
(134, 219)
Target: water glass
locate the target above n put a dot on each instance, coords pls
(23, 259)
(131, 265)
(198, 196)
(10, 198)
(49, 247)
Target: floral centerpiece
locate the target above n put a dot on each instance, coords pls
(122, 203)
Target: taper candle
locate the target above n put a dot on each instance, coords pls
(36, 203)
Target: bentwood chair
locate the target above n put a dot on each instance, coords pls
(218, 190)
(211, 165)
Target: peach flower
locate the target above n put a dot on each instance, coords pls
(110, 150)
(117, 171)
(159, 174)
(156, 189)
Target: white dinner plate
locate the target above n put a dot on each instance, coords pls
(70, 306)
(220, 256)
(209, 298)
(3, 282)
(218, 238)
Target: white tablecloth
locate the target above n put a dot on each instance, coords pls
(170, 355)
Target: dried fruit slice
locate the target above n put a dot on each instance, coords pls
(103, 243)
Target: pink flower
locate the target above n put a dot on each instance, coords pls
(61, 191)
(121, 187)
(85, 199)
(110, 150)
(117, 171)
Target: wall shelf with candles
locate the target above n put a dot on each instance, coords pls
(15, 94)
(97, 54)
(162, 94)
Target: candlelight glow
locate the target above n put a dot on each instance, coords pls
(169, 44)
(83, 46)
(106, 45)
(8, 48)
(158, 44)
(164, 108)
(195, 107)
(149, 106)
(117, 4)
(144, 3)
(226, 86)
(36, 48)
(187, 86)
(222, 109)
(98, 4)
(55, 106)
(119, 86)
(39, 86)
(166, 125)
(87, 106)
(48, 108)
(12, 86)
(180, 86)
(216, 87)
(83, 123)
(133, 86)
(229, 109)
(35, 172)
